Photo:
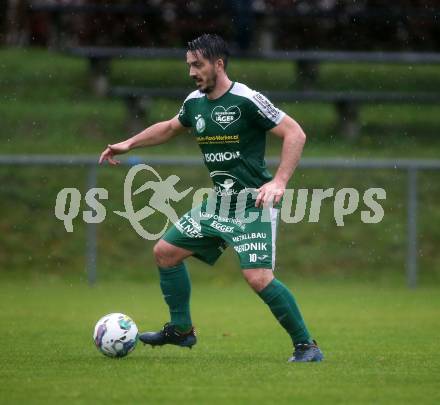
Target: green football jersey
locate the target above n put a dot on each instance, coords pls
(231, 133)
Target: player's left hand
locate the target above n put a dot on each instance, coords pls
(270, 193)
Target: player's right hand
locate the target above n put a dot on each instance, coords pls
(111, 151)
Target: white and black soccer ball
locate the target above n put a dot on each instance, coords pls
(115, 335)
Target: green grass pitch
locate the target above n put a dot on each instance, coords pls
(380, 343)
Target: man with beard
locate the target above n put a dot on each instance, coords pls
(229, 122)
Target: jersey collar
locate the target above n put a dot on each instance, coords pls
(219, 98)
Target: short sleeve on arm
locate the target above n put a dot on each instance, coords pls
(183, 116)
(266, 115)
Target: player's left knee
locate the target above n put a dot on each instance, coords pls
(258, 279)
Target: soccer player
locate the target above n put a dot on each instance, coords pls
(229, 122)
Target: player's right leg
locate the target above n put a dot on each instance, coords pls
(167, 255)
(176, 289)
(183, 239)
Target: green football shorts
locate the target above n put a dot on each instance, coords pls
(207, 235)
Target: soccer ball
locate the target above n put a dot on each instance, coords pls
(115, 335)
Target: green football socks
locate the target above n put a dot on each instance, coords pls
(283, 305)
(176, 290)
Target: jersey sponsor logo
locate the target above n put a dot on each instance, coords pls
(266, 107)
(227, 184)
(258, 246)
(225, 116)
(221, 156)
(252, 235)
(189, 227)
(200, 123)
(236, 221)
(218, 139)
(223, 182)
(222, 228)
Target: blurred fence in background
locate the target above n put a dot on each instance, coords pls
(411, 167)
